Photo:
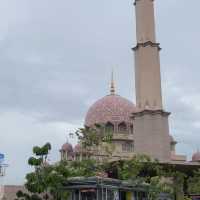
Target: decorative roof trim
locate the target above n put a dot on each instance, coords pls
(145, 44)
(150, 112)
(139, 0)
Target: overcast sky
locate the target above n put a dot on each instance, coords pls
(56, 58)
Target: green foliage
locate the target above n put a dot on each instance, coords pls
(157, 186)
(93, 136)
(178, 180)
(25, 196)
(46, 179)
(194, 183)
(84, 168)
(187, 198)
(139, 167)
(143, 170)
(19, 194)
(35, 161)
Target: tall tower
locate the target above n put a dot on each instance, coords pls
(151, 128)
(147, 61)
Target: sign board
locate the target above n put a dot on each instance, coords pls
(2, 156)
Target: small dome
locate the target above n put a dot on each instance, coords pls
(111, 108)
(77, 148)
(67, 147)
(196, 157)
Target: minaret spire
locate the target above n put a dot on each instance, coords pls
(147, 59)
(112, 84)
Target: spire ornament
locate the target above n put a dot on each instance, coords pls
(112, 85)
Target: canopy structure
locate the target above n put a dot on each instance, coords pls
(98, 188)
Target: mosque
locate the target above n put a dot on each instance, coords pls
(137, 128)
(141, 128)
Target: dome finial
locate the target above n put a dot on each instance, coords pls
(112, 85)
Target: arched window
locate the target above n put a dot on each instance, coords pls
(109, 128)
(122, 128)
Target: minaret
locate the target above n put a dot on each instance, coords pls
(147, 61)
(151, 128)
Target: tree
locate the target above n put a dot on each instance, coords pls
(93, 136)
(159, 185)
(96, 139)
(194, 183)
(141, 169)
(37, 182)
(178, 179)
(46, 179)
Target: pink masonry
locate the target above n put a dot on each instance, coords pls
(111, 108)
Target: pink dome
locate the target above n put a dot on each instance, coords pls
(67, 147)
(196, 157)
(77, 148)
(111, 108)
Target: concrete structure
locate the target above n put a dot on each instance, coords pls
(11, 190)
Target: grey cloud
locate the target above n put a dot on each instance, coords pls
(50, 62)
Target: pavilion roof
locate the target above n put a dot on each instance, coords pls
(99, 182)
